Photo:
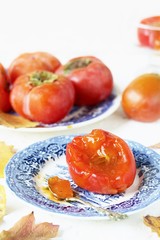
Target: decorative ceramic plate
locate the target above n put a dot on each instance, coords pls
(81, 116)
(27, 171)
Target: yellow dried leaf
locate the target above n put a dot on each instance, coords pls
(14, 121)
(26, 229)
(2, 202)
(153, 223)
(6, 152)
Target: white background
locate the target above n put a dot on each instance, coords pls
(67, 29)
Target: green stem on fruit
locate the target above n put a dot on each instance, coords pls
(79, 63)
(40, 77)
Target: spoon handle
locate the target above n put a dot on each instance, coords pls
(111, 214)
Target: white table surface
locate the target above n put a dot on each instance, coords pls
(68, 29)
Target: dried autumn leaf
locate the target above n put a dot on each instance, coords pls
(20, 229)
(26, 229)
(14, 121)
(2, 202)
(44, 231)
(6, 152)
(153, 223)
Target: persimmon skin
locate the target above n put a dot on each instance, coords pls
(148, 32)
(5, 105)
(141, 98)
(32, 61)
(92, 79)
(101, 162)
(47, 102)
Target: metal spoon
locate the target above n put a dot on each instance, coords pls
(111, 214)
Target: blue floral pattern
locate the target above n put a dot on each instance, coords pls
(24, 167)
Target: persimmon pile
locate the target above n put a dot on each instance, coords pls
(38, 87)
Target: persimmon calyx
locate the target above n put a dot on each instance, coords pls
(40, 77)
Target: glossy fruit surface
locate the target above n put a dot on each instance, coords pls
(149, 32)
(60, 188)
(101, 162)
(141, 98)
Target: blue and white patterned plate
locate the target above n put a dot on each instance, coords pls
(27, 170)
(81, 116)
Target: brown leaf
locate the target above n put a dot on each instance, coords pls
(14, 121)
(6, 152)
(20, 229)
(44, 231)
(153, 223)
(26, 229)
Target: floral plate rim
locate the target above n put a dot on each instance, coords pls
(25, 165)
(93, 115)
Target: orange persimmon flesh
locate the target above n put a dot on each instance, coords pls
(61, 188)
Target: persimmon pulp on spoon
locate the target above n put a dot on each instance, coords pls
(60, 188)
